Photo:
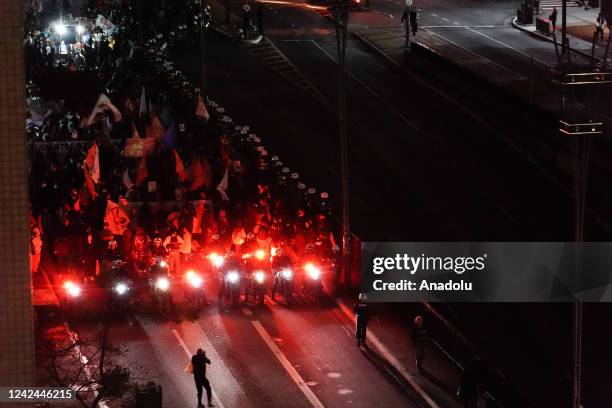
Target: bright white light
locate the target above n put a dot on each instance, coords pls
(194, 279)
(80, 29)
(216, 259)
(260, 276)
(260, 254)
(121, 288)
(233, 276)
(162, 284)
(72, 289)
(287, 273)
(163, 264)
(313, 271)
(60, 28)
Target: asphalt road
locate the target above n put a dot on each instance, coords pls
(262, 356)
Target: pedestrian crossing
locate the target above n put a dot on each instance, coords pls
(274, 59)
(549, 4)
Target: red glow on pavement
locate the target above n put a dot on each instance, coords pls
(295, 4)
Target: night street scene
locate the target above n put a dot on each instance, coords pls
(189, 215)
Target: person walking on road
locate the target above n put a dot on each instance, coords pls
(260, 17)
(419, 338)
(362, 313)
(553, 19)
(198, 364)
(599, 27)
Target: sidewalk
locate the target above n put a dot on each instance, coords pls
(389, 341)
(580, 29)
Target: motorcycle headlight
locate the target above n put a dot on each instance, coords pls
(313, 271)
(260, 276)
(121, 288)
(194, 279)
(260, 254)
(163, 264)
(162, 284)
(216, 259)
(287, 273)
(233, 276)
(73, 289)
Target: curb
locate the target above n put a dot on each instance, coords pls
(391, 359)
(539, 36)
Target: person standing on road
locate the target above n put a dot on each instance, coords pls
(419, 338)
(260, 17)
(599, 27)
(198, 364)
(362, 313)
(553, 19)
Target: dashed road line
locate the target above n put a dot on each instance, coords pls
(189, 354)
(295, 376)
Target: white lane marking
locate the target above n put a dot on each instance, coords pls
(74, 338)
(503, 44)
(476, 54)
(188, 353)
(435, 15)
(456, 23)
(246, 311)
(457, 26)
(295, 376)
(360, 82)
(393, 360)
(445, 19)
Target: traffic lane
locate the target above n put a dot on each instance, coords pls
(322, 347)
(147, 358)
(303, 132)
(393, 138)
(449, 159)
(248, 358)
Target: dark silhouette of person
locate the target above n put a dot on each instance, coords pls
(198, 362)
(260, 17)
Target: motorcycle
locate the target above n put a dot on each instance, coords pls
(72, 295)
(121, 287)
(160, 283)
(194, 290)
(230, 283)
(283, 283)
(311, 284)
(256, 265)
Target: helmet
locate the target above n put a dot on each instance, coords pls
(157, 241)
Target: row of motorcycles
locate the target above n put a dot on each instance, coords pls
(243, 278)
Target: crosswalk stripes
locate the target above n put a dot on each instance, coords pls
(274, 59)
(549, 4)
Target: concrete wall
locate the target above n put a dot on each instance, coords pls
(16, 313)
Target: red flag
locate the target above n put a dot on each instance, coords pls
(180, 167)
(155, 129)
(89, 184)
(201, 110)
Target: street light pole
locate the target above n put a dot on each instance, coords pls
(564, 50)
(341, 23)
(203, 26)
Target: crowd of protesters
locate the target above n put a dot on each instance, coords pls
(100, 191)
